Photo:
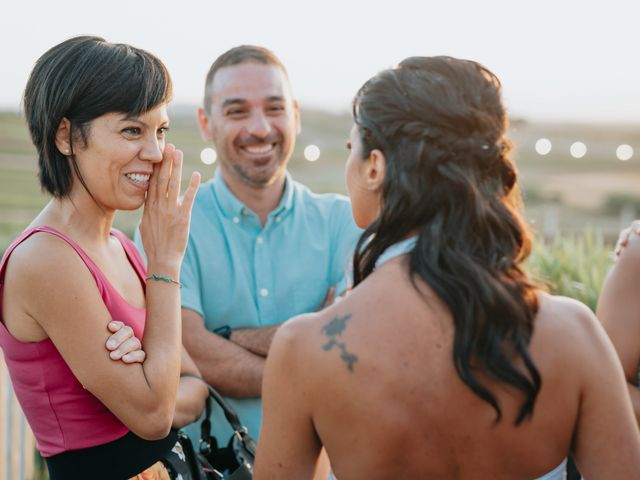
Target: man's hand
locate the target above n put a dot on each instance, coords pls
(623, 238)
(123, 345)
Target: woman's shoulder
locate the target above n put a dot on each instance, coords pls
(42, 251)
(568, 326)
(563, 313)
(43, 264)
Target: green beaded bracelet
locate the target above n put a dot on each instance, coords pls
(163, 278)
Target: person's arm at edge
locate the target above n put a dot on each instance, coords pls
(229, 368)
(619, 311)
(289, 446)
(605, 417)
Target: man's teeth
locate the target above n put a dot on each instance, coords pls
(138, 177)
(258, 149)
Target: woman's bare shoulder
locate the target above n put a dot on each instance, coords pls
(44, 265)
(563, 313)
(569, 325)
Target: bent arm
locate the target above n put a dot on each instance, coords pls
(192, 394)
(619, 311)
(256, 340)
(605, 418)
(289, 446)
(229, 368)
(73, 315)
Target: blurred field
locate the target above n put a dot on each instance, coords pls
(562, 194)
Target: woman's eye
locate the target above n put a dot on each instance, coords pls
(163, 131)
(132, 130)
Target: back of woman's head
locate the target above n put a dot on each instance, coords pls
(81, 79)
(441, 125)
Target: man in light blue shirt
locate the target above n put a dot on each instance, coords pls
(262, 247)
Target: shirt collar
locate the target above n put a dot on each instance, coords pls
(232, 207)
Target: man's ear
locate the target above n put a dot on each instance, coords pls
(63, 137)
(376, 168)
(296, 112)
(204, 125)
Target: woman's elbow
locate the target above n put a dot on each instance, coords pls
(190, 404)
(153, 425)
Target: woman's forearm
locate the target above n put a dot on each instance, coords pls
(190, 400)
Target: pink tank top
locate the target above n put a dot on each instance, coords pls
(62, 414)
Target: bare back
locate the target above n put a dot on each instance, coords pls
(386, 402)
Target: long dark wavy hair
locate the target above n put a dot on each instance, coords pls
(441, 125)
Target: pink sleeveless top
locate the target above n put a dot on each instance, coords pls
(62, 414)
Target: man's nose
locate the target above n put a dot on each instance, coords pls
(259, 125)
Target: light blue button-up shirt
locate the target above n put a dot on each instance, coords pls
(238, 273)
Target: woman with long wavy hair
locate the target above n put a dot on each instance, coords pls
(445, 361)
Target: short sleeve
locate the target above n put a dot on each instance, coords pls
(190, 279)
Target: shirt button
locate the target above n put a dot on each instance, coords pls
(236, 220)
(259, 240)
(278, 218)
(264, 292)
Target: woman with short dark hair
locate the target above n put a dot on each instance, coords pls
(445, 361)
(97, 115)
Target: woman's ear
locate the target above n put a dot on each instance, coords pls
(63, 137)
(376, 165)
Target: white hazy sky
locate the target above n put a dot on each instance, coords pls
(559, 60)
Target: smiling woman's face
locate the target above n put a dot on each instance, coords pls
(117, 159)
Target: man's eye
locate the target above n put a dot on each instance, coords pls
(276, 108)
(235, 112)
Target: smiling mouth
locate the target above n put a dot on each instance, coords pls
(139, 178)
(261, 149)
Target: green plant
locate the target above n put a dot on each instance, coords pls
(574, 265)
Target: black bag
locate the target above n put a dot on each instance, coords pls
(183, 462)
(235, 461)
(211, 462)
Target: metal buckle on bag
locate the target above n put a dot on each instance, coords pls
(204, 447)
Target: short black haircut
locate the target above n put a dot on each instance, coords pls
(81, 79)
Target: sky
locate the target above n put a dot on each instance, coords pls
(558, 60)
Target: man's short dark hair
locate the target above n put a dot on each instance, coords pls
(81, 79)
(237, 56)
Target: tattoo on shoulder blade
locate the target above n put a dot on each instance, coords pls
(334, 329)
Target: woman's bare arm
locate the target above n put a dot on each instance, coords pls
(607, 439)
(619, 311)
(48, 282)
(192, 394)
(289, 446)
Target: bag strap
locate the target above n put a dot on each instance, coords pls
(229, 413)
(209, 443)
